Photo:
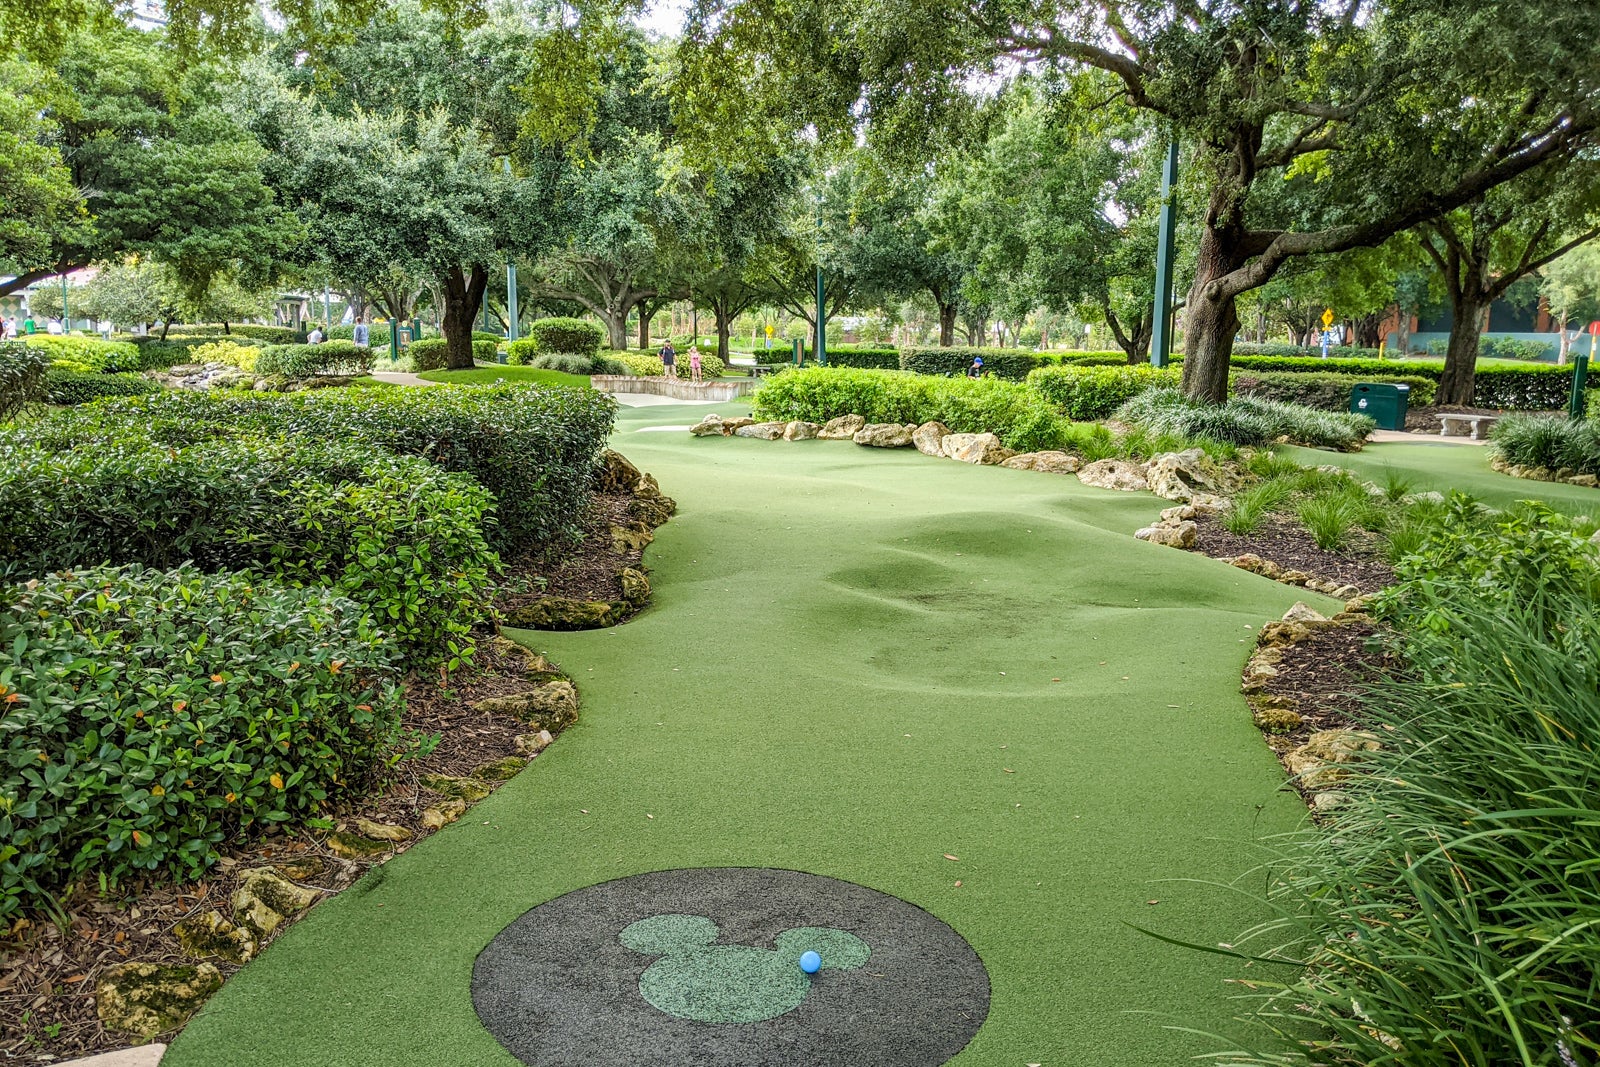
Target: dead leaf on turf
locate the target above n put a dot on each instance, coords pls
(950, 857)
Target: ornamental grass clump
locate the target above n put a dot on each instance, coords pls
(1547, 441)
(152, 716)
(1449, 911)
(1245, 420)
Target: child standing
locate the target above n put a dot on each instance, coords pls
(694, 363)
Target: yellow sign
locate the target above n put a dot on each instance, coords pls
(769, 329)
(1327, 316)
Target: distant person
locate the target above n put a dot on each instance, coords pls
(54, 327)
(104, 327)
(9, 328)
(976, 370)
(669, 360)
(361, 333)
(28, 325)
(315, 336)
(694, 363)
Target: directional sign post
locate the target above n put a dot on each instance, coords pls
(1327, 324)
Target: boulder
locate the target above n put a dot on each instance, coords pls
(984, 449)
(710, 426)
(531, 744)
(1280, 634)
(301, 868)
(501, 770)
(929, 438)
(883, 435)
(1340, 746)
(1329, 800)
(1180, 534)
(843, 428)
(530, 662)
(615, 474)
(442, 814)
(800, 431)
(567, 613)
(148, 999)
(1181, 476)
(1046, 462)
(470, 790)
(1256, 565)
(649, 505)
(1314, 774)
(381, 831)
(1277, 720)
(631, 538)
(1120, 474)
(1294, 577)
(1343, 592)
(1589, 481)
(210, 934)
(268, 888)
(353, 846)
(762, 431)
(635, 586)
(552, 706)
(1302, 612)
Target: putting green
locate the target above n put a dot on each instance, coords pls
(858, 664)
(1446, 467)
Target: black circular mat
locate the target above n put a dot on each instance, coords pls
(566, 984)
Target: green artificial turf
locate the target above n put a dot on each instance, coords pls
(859, 663)
(1450, 467)
(491, 375)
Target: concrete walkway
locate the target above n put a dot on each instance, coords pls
(1400, 437)
(396, 377)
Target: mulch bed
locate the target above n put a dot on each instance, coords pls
(1285, 542)
(1325, 676)
(590, 573)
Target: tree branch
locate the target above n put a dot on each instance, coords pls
(1529, 266)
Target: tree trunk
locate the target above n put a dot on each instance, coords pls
(1209, 326)
(722, 309)
(1461, 359)
(616, 328)
(463, 295)
(646, 313)
(1564, 351)
(947, 325)
(225, 331)
(1367, 330)
(1403, 334)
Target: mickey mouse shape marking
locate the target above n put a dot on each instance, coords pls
(697, 979)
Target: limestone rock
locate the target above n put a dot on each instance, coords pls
(843, 428)
(1256, 565)
(442, 814)
(567, 613)
(1280, 634)
(301, 868)
(1051, 462)
(531, 744)
(552, 706)
(649, 505)
(1177, 514)
(1174, 535)
(984, 449)
(883, 435)
(470, 790)
(635, 586)
(1121, 474)
(210, 934)
(1277, 720)
(1257, 675)
(615, 474)
(631, 538)
(1362, 605)
(501, 770)
(1587, 480)
(353, 846)
(762, 431)
(1343, 592)
(710, 426)
(1340, 746)
(147, 999)
(265, 898)
(381, 831)
(1329, 800)
(1314, 774)
(929, 438)
(800, 431)
(1302, 612)
(1294, 577)
(1183, 475)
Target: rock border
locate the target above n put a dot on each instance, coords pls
(1563, 475)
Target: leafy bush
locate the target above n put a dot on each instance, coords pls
(68, 387)
(229, 352)
(1018, 416)
(1088, 393)
(1012, 364)
(859, 356)
(22, 377)
(1329, 392)
(574, 336)
(155, 354)
(1536, 387)
(485, 335)
(274, 335)
(109, 356)
(377, 334)
(313, 361)
(152, 715)
(1245, 420)
(533, 448)
(651, 367)
(394, 533)
(427, 354)
(1089, 359)
(521, 352)
(1548, 441)
(1283, 348)
(1512, 348)
(1455, 891)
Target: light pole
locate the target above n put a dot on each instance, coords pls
(822, 296)
(1166, 248)
(511, 282)
(66, 315)
(327, 311)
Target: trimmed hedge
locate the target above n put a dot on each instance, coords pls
(1086, 393)
(394, 533)
(22, 377)
(150, 716)
(1548, 441)
(651, 366)
(377, 334)
(67, 387)
(273, 335)
(1012, 364)
(108, 356)
(572, 336)
(534, 448)
(1536, 387)
(573, 364)
(313, 361)
(230, 352)
(1329, 392)
(1020, 417)
(1245, 421)
(429, 353)
(1284, 348)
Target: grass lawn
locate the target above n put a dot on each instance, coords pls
(857, 662)
(1444, 468)
(491, 375)
(369, 382)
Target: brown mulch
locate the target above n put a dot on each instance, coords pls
(587, 573)
(1325, 675)
(1285, 542)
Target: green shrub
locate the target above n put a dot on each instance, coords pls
(1012, 364)
(651, 366)
(865, 357)
(275, 335)
(314, 361)
(1512, 348)
(533, 448)
(567, 364)
(520, 353)
(22, 377)
(151, 716)
(1536, 387)
(377, 334)
(108, 356)
(229, 352)
(427, 354)
(1328, 392)
(156, 354)
(67, 388)
(608, 364)
(1089, 359)
(1548, 441)
(574, 336)
(485, 335)
(1245, 421)
(485, 351)
(1087, 393)
(1018, 416)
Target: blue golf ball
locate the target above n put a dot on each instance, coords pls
(810, 962)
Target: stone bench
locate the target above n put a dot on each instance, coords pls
(1474, 426)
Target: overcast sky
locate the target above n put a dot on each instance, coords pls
(664, 17)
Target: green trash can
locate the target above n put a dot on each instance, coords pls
(1385, 403)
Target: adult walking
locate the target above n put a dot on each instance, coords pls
(669, 360)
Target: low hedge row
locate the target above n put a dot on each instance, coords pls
(1536, 387)
(429, 353)
(108, 356)
(1284, 348)
(1020, 417)
(22, 377)
(152, 715)
(1085, 393)
(1330, 392)
(68, 387)
(641, 366)
(313, 361)
(273, 335)
(1012, 364)
(394, 533)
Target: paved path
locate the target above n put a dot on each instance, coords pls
(398, 377)
(966, 687)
